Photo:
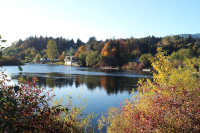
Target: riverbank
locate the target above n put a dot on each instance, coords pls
(10, 61)
(137, 66)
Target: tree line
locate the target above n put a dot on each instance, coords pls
(111, 52)
(125, 52)
(34, 47)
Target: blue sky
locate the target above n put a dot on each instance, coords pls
(103, 19)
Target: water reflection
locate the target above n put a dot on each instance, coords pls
(111, 84)
(114, 85)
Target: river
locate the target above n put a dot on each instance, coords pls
(102, 88)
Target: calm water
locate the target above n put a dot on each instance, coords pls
(102, 88)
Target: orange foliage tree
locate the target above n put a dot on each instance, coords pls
(81, 49)
(109, 49)
(62, 57)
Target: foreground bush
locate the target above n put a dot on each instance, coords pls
(25, 108)
(22, 107)
(167, 103)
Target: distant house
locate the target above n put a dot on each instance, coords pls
(71, 61)
(55, 60)
(42, 59)
(69, 58)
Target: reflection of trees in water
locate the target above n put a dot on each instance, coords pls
(92, 81)
(78, 80)
(59, 80)
(42, 81)
(112, 84)
(116, 84)
(50, 81)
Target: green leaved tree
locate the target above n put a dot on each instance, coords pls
(93, 58)
(37, 57)
(52, 50)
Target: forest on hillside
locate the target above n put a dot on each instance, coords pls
(31, 46)
(111, 52)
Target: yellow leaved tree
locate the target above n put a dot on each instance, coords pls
(169, 102)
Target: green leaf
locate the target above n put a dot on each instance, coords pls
(16, 88)
(2, 47)
(20, 68)
(3, 40)
(0, 36)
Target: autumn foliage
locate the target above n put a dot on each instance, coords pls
(80, 50)
(62, 57)
(22, 107)
(25, 108)
(167, 103)
(109, 49)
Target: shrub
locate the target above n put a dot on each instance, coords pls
(146, 59)
(140, 66)
(167, 103)
(25, 108)
(21, 106)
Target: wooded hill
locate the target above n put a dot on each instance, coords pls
(113, 52)
(193, 35)
(32, 46)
